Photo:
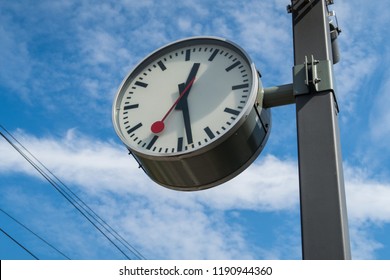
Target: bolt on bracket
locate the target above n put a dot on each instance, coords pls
(313, 76)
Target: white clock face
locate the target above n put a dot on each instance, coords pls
(184, 97)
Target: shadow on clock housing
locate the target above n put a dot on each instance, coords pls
(219, 164)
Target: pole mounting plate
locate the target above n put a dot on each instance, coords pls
(313, 76)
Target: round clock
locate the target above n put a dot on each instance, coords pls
(190, 113)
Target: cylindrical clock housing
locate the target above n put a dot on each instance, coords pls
(216, 166)
(189, 113)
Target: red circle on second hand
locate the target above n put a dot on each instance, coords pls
(157, 126)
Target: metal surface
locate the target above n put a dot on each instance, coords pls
(278, 96)
(323, 206)
(315, 74)
(223, 157)
(216, 166)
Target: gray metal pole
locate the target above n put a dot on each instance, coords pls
(323, 206)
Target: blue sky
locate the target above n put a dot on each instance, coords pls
(61, 65)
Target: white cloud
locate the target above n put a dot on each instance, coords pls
(352, 73)
(363, 50)
(363, 245)
(15, 56)
(380, 115)
(150, 213)
(368, 199)
(368, 208)
(107, 39)
(270, 184)
(268, 39)
(168, 230)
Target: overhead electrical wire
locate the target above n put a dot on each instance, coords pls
(88, 209)
(47, 243)
(72, 198)
(20, 245)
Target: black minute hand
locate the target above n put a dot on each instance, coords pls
(192, 74)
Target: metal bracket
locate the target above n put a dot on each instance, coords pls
(313, 76)
(276, 96)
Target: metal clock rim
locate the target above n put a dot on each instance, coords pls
(167, 48)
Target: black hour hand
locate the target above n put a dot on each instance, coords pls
(183, 106)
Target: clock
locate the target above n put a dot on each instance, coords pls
(190, 113)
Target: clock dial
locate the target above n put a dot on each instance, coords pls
(189, 113)
(185, 97)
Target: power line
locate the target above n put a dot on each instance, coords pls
(85, 207)
(72, 198)
(20, 245)
(69, 198)
(47, 243)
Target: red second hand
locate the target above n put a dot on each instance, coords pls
(158, 126)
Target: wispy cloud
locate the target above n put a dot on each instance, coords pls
(368, 199)
(165, 223)
(362, 50)
(74, 58)
(169, 224)
(380, 115)
(15, 55)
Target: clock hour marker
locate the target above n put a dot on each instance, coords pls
(151, 143)
(240, 86)
(233, 66)
(161, 65)
(141, 84)
(180, 144)
(172, 133)
(188, 55)
(134, 128)
(209, 133)
(213, 54)
(232, 111)
(128, 107)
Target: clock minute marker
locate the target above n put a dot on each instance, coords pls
(132, 129)
(209, 133)
(151, 143)
(211, 58)
(240, 86)
(129, 107)
(203, 129)
(232, 111)
(188, 55)
(180, 144)
(141, 84)
(234, 65)
(161, 65)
